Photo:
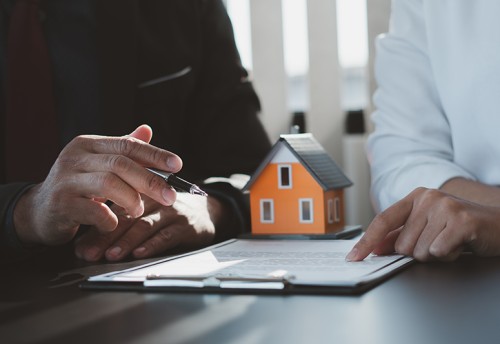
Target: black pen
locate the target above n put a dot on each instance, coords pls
(178, 183)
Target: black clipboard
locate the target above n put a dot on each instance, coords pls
(233, 276)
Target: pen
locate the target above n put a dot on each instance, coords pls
(178, 183)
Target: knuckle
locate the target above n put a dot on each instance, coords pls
(419, 191)
(125, 243)
(402, 247)
(158, 156)
(102, 219)
(152, 245)
(155, 182)
(433, 198)
(430, 195)
(450, 204)
(79, 140)
(421, 256)
(128, 145)
(119, 163)
(160, 242)
(68, 152)
(108, 181)
(465, 218)
(165, 234)
(144, 224)
(381, 220)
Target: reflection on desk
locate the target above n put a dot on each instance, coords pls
(427, 303)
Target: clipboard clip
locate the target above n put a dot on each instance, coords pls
(276, 280)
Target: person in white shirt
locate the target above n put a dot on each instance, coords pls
(436, 132)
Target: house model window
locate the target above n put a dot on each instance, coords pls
(266, 211)
(330, 211)
(285, 176)
(334, 210)
(306, 210)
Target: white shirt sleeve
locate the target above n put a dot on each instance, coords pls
(411, 145)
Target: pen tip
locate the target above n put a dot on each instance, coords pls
(197, 191)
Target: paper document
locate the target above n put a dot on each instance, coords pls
(307, 263)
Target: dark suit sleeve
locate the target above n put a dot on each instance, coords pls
(229, 137)
(10, 246)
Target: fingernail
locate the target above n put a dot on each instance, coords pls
(92, 253)
(174, 163)
(115, 251)
(140, 251)
(137, 212)
(140, 211)
(168, 195)
(352, 255)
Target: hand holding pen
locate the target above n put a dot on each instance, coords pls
(102, 168)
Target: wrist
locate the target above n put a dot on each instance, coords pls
(235, 216)
(216, 210)
(473, 191)
(23, 215)
(222, 218)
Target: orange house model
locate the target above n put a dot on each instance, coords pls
(297, 189)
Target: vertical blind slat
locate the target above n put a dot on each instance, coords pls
(268, 64)
(325, 115)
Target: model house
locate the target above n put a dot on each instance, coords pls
(297, 189)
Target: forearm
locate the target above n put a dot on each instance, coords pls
(473, 191)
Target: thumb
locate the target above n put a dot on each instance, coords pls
(143, 133)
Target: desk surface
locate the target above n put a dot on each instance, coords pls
(426, 303)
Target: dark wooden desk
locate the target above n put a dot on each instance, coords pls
(427, 303)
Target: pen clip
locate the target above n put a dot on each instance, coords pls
(159, 173)
(178, 183)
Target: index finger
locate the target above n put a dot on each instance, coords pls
(387, 221)
(139, 151)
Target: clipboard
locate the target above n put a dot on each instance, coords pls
(257, 266)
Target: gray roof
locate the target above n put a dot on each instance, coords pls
(312, 156)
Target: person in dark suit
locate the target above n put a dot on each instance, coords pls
(172, 64)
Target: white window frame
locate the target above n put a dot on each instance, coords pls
(271, 204)
(330, 211)
(280, 185)
(336, 207)
(311, 209)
